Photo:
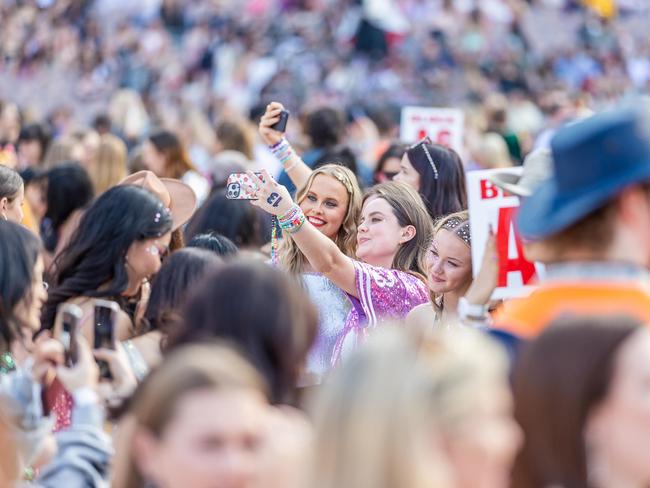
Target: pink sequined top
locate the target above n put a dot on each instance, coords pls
(384, 294)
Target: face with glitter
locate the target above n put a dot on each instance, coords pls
(144, 257)
(449, 263)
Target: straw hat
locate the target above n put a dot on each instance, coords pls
(178, 197)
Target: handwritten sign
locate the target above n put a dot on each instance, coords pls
(443, 125)
(491, 206)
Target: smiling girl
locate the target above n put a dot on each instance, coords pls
(330, 199)
(392, 236)
(449, 271)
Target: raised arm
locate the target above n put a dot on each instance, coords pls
(294, 166)
(322, 253)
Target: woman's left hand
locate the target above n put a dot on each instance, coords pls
(271, 196)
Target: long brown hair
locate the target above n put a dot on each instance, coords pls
(558, 380)
(409, 209)
(346, 239)
(192, 368)
(177, 162)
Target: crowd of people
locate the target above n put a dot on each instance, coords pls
(193, 297)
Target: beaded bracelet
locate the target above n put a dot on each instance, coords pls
(282, 151)
(292, 220)
(289, 214)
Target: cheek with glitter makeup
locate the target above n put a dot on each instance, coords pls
(153, 250)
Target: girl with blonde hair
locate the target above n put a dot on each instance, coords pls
(449, 271)
(330, 198)
(415, 411)
(202, 418)
(109, 166)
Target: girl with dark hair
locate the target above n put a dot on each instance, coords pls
(68, 191)
(118, 244)
(164, 154)
(239, 223)
(24, 364)
(437, 173)
(216, 243)
(389, 163)
(259, 310)
(22, 291)
(581, 397)
(182, 269)
(12, 195)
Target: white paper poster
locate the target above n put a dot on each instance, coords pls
(489, 205)
(443, 125)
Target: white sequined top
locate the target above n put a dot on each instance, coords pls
(333, 307)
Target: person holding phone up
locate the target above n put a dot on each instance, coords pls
(330, 198)
(28, 365)
(387, 280)
(84, 450)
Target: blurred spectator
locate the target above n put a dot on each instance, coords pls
(218, 244)
(324, 127)
(33, 142)
(68, 190)
(225, 305)
(234, 219)
(388, 164)
(492, 152)
(163, 154)
(109, 166)
(578, 397)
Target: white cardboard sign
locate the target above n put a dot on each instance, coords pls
(443, 125)
(489, 205)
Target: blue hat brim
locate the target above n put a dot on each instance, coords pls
(547, 212)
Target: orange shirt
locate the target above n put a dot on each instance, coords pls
(527, 317)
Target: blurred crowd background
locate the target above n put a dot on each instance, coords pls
(205, 69)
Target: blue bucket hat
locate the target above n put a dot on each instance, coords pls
(594, 160)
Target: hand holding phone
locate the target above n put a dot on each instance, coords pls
(240, 187)
(281, 125)
(104, 328)
(70, 317)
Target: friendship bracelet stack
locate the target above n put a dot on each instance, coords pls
(292, 220)
(283, 152)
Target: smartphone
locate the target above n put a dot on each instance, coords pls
(238, 187)
(281, 125)
(70, 317)
(105, 315)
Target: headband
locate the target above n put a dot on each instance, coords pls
(424, 143)
(460, 228)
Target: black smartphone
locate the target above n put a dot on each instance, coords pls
(70, 317)
(281, 125)
(105, 315)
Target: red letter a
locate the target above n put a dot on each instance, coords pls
(506, 264)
